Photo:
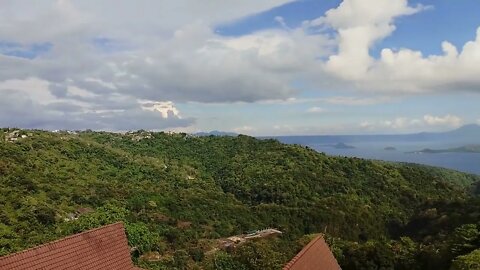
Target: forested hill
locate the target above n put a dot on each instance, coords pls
(178, 194)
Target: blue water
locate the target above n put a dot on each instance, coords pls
(465, 162)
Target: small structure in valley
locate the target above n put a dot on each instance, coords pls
(263, 233)
(78, 213)
(233, 242)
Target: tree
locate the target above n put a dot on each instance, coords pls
(470, 261)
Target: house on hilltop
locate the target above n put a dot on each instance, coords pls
(15, 135)
(101, 248)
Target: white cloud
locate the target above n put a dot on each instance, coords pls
(355, 101)
(76, 91)
(37, 89)
(335, 100)
(189, 63)
(210, 68)
(283, 129)
(408, 71)
(447, 120)
(103, 65)
(397, 123)
(23, 21)
(165, 108)
(361, 24)
(299, 129)
(30, 104)
(366, 125)
(244, 130)
(414, 124)
(316, 110)
(152, 57)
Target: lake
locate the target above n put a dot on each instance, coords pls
(368, 147)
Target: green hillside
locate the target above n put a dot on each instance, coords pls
(179, 194)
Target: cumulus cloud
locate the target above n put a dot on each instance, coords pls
(72, 59)
(211, 68)
(25, 22)
(447, 120)
(102, 71)
(410, 71)
(164, 56)
(410, 124)
(397, 124)
(165, 108)
(361, 24)
(30, 104)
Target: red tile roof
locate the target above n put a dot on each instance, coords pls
(315, 255)
(102, 248)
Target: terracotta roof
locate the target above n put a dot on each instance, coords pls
(315, 255)
(102, 248)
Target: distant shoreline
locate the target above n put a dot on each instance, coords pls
(463, 149)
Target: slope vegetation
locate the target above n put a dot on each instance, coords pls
(179, 194)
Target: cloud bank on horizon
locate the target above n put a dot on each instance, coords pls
(121, 65)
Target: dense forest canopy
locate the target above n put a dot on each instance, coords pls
(178, 194)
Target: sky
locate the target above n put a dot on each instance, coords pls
(268, 67)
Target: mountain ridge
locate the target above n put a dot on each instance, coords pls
(468, 134)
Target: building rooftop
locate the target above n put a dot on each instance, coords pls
(315, 255)
(101, 248)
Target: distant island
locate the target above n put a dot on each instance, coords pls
(343, 146)
(474, 148)
(390, 148)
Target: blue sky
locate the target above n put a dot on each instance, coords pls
(445, 20)
(442, 20)
(294, 13)
(275, 67)
(19, 50)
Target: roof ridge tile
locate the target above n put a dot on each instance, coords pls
(315, 255)
(105, 247)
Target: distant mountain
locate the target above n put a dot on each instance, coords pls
(216, 133)
(468, 134)
(475, 148)
(467, 129)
